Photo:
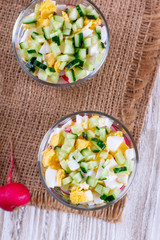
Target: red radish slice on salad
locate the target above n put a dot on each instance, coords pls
(63, 191)
(68, 129)
(65, 78)
(13, 195)
(122, 187)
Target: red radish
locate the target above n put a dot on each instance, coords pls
(113, 127)
(68, 129)
(64, 191)
(65, 78)
(13, 195)
(122, 187)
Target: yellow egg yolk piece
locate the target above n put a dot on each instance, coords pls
(78, 196)
(50, 59)
(47, 8)
(59, 176)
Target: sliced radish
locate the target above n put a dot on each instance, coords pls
(113, 142)
(68, 129)
(79, 119)
(26, 34)
(89, 195)
(112, 183)
(73, 165)
(50, 177)
(112, 163)
(130, 153)
(103, 34)
(93, 50)
(99, 171)
(123, 179)
(87, 32)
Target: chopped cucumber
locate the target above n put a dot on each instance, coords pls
(93, 122)
(78, 38)
(65, 58)
(40, 65)
(73, 63)
(92, 165)
(90, 134)
(77, 156)
(34, 35)
(92, 15)
(101, 47)
(67, 32)
(37, 10)
(78, 177)
(70, 75)
(104, 174)
(81, 53)
(56, 25)
(69, 48)
(103, 154)
(85, 135)
(24, 45)
(73, 15)
(74, 27)
(95, 149)
(120, 170)
(54, 77)
(107, 130)
(98, 143)
(46, 31)
(72, 174)
(42, 75)
(30, 19)
(65, 167)
(88, 155)
(92, 181)
(111, 197)
(81, 10)
(56, 39)
(80, 73)
(39, 57)
(66, 180)
(130, 165)
(55, 49)
(71, 136)
(80, 22)
(101, 189)
(68, 145)
(67, 25)
(87, 42)
(50, 71)
(84, 167)
(58, 19)
(63, 64)
(77, 128)
(30, 64)
(120, 159)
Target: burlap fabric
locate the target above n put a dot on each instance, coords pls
(122, 88)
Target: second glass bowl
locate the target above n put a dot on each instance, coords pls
(18, 32)
(56, 192)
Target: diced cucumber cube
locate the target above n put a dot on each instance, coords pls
(87, 42)
(88, 155)
(77, 155)
(67, 25)
(80, 73)
(90, 134)
(66, 180)
(81, 10)
(71, 76)
(120, 170)
(73, 15)
(78, 177)
(54, 77)
(63, 64)
(74, 27)
(98, 143)
(42, 75)
(120, 159)
(93, 122)
(65, 167)
(80, 22)
(92, 181)
(92, 165)
(59, 18)
(68, 145)
(77, 128)
(84, 167)
(55, 49)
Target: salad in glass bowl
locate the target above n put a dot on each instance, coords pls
(61, 43)
(88, 160)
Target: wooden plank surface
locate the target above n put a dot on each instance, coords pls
(141, 217)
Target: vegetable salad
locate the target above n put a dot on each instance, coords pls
(88, 159)
(62, 43)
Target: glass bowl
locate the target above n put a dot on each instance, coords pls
(18, 32)
(56, 192)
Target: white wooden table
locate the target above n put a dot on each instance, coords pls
(141, 217)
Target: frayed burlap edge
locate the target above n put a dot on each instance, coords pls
(143, 72)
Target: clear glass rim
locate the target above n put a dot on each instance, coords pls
(132, 176)
(60, 84)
